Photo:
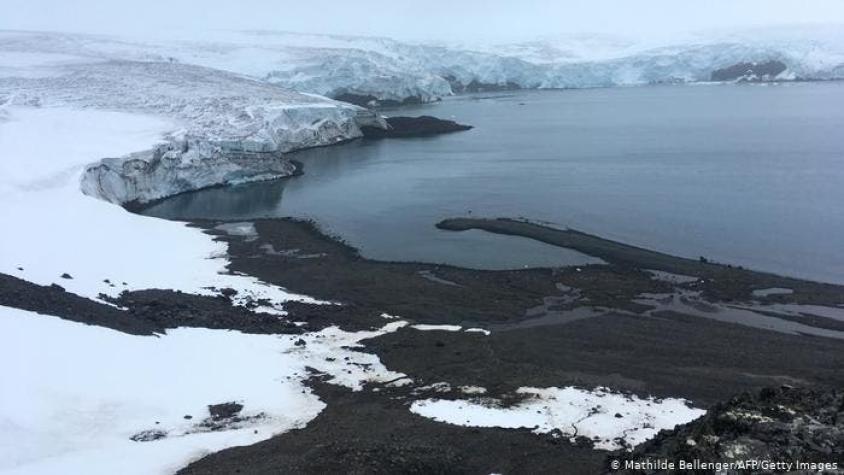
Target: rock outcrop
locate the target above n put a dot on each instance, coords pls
(750, 72)
(778, 425)
(370, 101)
(477, 86)
(403, 127)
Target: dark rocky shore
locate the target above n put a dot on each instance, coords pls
(720, 281)
(422, 126)
(583, 326)
(783, 425)
(664, 353)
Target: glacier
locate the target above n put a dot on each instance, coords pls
(242, 100)
(229, 128)
(386, 71)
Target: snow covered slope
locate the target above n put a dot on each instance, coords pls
(387, 70)
(86, 399)
(55, 229)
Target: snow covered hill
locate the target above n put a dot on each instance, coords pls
(383, 69)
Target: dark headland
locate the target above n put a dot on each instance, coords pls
(721, 280)
(422, 126)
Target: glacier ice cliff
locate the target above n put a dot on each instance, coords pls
(383, 70)
(176, 167)
(227, 128)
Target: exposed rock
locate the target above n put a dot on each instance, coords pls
(149, 435)
(400, 127)
(780, 425)
(750, 72)
(227, 416)
(225, 410)
(363, 100)
(54, 300)
(368, 100)
(169, 309)
(475, 85)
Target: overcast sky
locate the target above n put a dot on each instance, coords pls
(447, 20)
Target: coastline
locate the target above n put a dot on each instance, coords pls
(724, 281)
(149, 346)
(516, 353)
(625, 346)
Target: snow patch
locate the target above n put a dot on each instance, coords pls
(444, 328)
(671, 278)
(611, 420)
(472, 389)
(772, 291)
(331, 352)
(243, 229)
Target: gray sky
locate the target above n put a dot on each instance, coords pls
(448, 20)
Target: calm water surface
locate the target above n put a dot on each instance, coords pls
(749, 175)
